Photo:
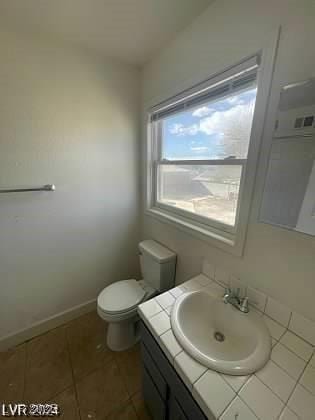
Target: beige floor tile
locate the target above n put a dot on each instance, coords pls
(129, 363)
(12, 374)
(125, 413)
(69, 409)
(101, 392)
(48, 369)
(141, 410)
(67, 404)
(87, 344)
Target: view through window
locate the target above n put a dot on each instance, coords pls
(203, 155)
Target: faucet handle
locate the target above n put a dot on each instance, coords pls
(244, 305)
(228, 291)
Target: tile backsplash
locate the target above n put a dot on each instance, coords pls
(283, 316)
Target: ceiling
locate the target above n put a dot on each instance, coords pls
(129, 30)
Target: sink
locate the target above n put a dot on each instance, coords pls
(220, 336)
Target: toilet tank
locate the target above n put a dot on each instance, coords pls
(157, 265)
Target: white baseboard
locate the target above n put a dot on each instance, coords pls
(47, 324)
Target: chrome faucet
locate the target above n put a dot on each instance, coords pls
(232, 296)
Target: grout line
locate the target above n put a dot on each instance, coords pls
(306, 361)
(293, 352)
(269, 387)
(73, 377)
(222, 375)
(248, 407)
(273, 392)
(294, 388)
(292, 377)
(248, 379)
(193, 383)
(291, 315)
(124, 380)
(225, 408)
(135, 410)
(306, 389)
(58, 393)
(266, 302)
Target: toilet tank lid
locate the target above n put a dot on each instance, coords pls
(159, 252)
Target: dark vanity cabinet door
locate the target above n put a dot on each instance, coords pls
(175, 411)
(152, 398)
(165, 395)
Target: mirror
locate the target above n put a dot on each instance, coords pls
(289, 191)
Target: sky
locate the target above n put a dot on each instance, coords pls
(198, 132)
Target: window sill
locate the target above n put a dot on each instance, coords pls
(224, 241)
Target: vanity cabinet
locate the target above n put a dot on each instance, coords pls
(165, 395)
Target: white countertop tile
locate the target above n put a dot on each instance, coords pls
(170, 345)
(168, 310)
(276, 330)
(287, 414)
(297, 345)
(165, 300)
(255, 310)
(236, 382)
(177, 291)
(238, 410)
(160, 323)
(265, 404)
(302, 403)
(212, 391)
(188, 369)
(308, 379)
(192, 285)
(303, 327)
(214, 289)
(277, 380)
(288, 361)
(150, 308)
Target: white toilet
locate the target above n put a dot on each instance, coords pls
(117, 304)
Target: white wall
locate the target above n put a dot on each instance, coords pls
(70, 118)
(280, 263)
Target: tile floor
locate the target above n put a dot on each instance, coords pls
(72, 366)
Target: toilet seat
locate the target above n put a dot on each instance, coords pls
(121, 298)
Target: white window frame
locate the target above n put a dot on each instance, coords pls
(229, 239)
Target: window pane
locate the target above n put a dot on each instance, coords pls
(213, 130)
(208, 191)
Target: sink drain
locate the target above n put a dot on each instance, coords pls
(219, 336)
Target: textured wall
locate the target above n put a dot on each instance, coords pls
(69, 118)
(278, 262)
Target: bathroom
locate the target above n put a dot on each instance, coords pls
(133, 213)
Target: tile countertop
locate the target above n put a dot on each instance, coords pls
(284, 389)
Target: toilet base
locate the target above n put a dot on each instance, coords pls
(122, 335)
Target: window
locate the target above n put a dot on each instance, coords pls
(199, 149)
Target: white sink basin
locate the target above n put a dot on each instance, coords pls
(219, 336)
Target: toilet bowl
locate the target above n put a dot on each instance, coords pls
(117, 304)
